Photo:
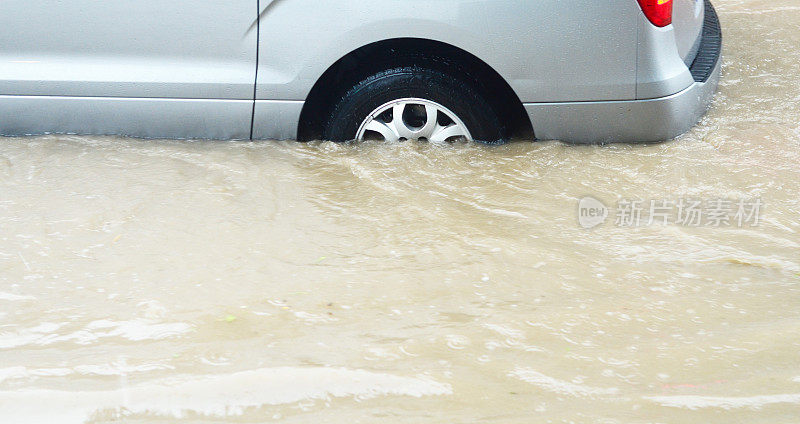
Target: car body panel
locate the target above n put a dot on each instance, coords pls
(545, 50)
(687, 21)
(203, 49)
(652, 119)
(660, 70)
(629, 121)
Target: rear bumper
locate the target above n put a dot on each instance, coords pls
(648, 120)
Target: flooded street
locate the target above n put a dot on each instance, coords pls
(170, 281)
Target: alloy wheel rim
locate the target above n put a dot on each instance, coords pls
(413, 119)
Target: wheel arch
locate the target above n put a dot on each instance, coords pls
(376, 56)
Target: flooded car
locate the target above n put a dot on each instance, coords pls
(581, 71)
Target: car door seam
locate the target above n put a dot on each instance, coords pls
(255, 82)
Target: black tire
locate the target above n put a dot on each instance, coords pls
(454, 92)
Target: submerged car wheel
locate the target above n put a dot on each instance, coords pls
(414, 103)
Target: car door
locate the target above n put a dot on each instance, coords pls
(153, 68)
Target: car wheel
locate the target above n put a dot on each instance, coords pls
(414, 103)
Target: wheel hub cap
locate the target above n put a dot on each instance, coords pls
(413, 119)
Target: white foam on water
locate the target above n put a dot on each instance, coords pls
(20, 372)
(212, 395)
(113, 369)
(724, 402)
(134, 330)
(12, 297)
(555, 385)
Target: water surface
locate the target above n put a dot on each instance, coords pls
(171, 281)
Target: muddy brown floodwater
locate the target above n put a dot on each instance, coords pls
(173, 281)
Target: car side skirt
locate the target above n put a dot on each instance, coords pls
(276, 119)
(136, 117)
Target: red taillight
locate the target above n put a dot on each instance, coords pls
(659, 12)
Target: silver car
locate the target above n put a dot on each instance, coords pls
(484, 70)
